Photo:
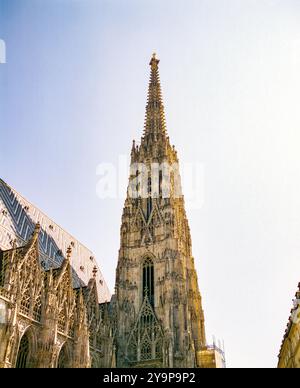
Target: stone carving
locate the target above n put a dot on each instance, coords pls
(157, 228)
(44, 307)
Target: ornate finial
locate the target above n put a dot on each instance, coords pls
(154, 61)
(36, 232)
(69, 252)
(95, 270)
(133, 146)
(37, 228)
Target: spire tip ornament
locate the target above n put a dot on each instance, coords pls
(95, 270)
(37, 228)
(69, 252)
(154, 61)
(155, 125)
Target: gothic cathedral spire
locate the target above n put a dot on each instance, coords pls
(155, 124)
(160, 321)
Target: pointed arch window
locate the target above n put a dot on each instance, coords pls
(62, 361)
(23, 352)
(146, 350)
(160, 176)
(146, 340)
(148, 280)
(149, 186)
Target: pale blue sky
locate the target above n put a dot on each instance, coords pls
(73, 94)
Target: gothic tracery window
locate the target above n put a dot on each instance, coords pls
(160, 183)
(148, 280)
(63, 358)
(146, 351)
(23, 353)
(145, 341)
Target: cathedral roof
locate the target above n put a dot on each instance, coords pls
(18, 218)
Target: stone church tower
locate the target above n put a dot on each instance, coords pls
(159, 311)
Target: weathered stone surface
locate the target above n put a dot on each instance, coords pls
(163, 326)
(45, 322)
